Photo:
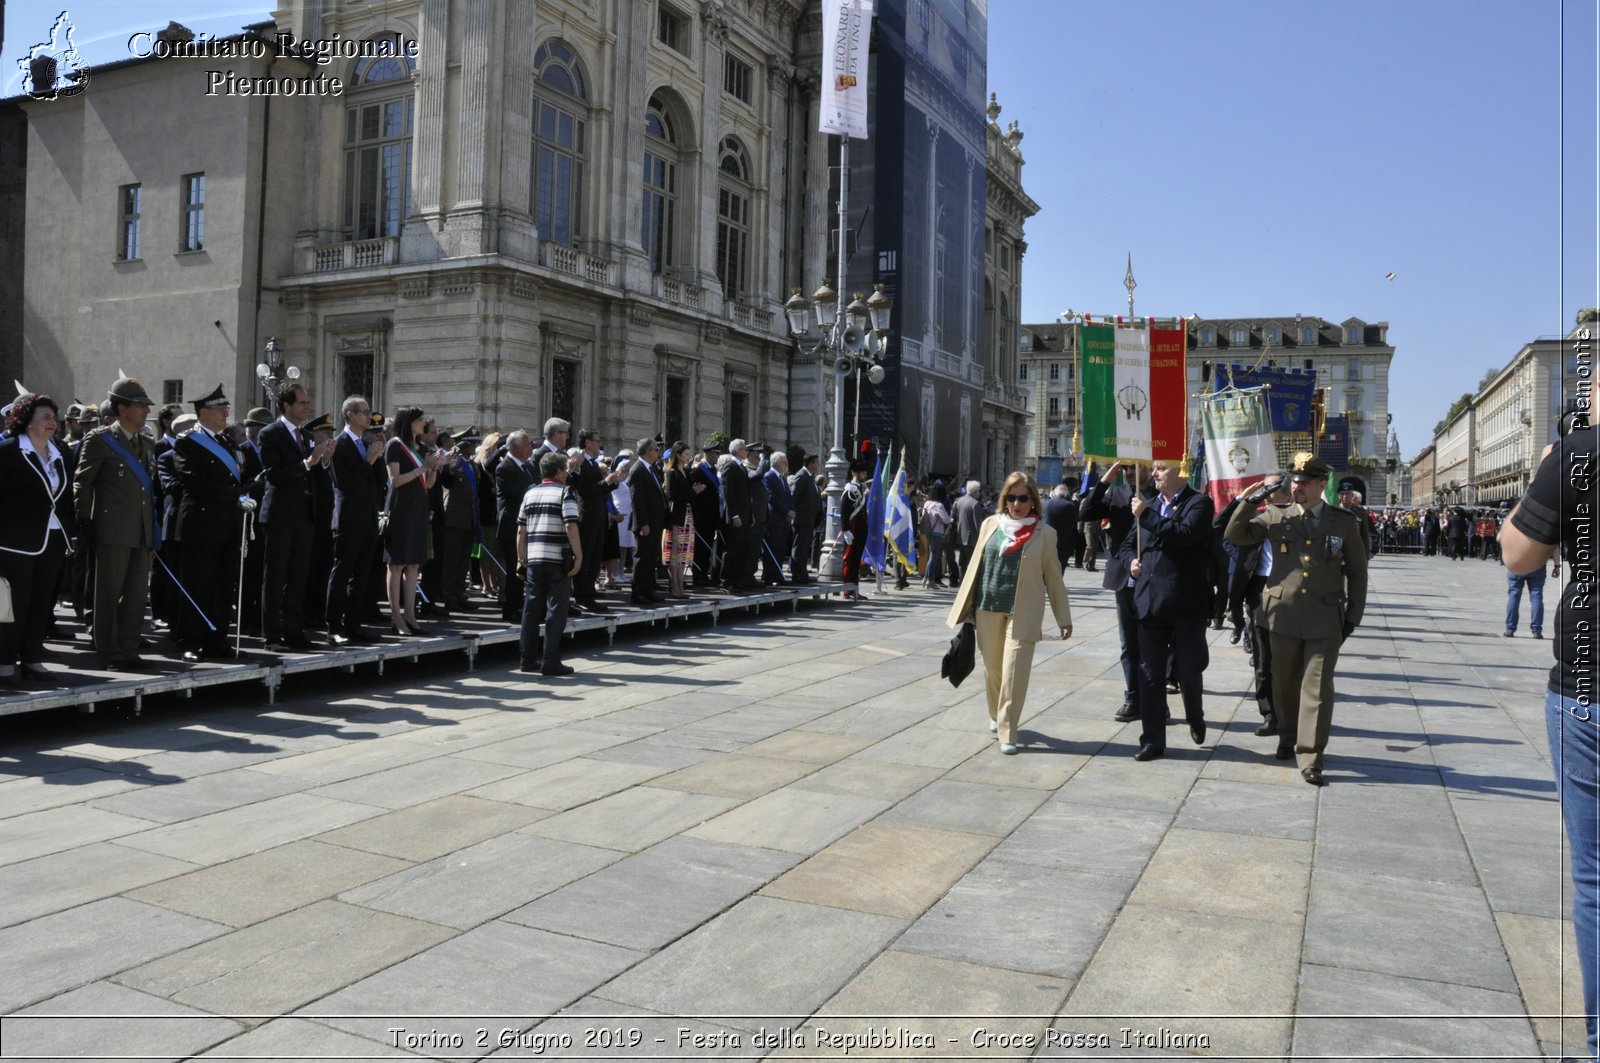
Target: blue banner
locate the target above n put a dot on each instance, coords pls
(1288, 395)
(1334, 446)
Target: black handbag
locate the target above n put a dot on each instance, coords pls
(961, 657)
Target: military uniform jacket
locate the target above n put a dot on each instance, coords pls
(1319, 568)
(208, 508)
(106, 492)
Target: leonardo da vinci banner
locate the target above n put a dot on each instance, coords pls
(1135, 406)
(846, 32)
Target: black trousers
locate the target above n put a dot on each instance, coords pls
(775, 551)
(284, 570)
(1184, 644)
(33, 581)
(646, 563)
(353, 553)
(209, 571)
(800, 554)
(511, 592)
(737, 560)
(1128, 635)
(592, 533)
(705, 545)
(457, 558)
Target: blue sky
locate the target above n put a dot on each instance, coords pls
(1258, 157)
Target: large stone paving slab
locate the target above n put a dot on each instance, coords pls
(252, 828)
(633, 819)
(422, 832)
(67, 879)
(567, 785)
(499, 975)
(55, 830)
(272, 967)
(654, 897)
(974, 808)
(727, 968)
(1242, 875)
(884, 868)
(266, 884)
(797, 821)
(478, 883)
(101, 1018)
(200, 796)
(58, 952)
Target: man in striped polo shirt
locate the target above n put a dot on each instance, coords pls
(549, 553)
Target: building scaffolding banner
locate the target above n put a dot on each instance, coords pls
(846, 33)
(1135, 400)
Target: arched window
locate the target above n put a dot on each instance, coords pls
(377, 143)
(560, 105)
(660, 185)
(733, 219)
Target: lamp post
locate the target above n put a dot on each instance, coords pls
(853, 341)
(268, 372)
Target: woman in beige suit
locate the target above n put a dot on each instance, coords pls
(1003, 591)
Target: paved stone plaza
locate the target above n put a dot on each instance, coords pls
(762, 839)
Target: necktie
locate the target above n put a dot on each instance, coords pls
(300, 441)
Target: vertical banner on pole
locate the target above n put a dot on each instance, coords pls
(1135, 405)
(846, 33)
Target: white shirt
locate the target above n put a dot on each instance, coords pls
(53, 472)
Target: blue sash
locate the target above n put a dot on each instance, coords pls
(203, 437)
(140, 474)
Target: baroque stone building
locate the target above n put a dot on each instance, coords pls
(591, 208)
(1005, 395)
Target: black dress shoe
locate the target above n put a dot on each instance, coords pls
(1197, 731)
(1283, 753)
(1172, 688)
(1149, 753)
(302, 644)
(1129, 711)
(360, 636)
(193, 656)
(35, 673)
(1233, 639)
(557, 669)
(338, 639)
(1313, 776)
(1216, 625)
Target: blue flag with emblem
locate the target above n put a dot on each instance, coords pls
(901, 530)
(873, 552)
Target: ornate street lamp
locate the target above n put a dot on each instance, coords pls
(268, 372)
(845, 340)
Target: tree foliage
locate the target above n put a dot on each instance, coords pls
(1455, 410)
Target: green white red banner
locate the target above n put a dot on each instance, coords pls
(1135, 393)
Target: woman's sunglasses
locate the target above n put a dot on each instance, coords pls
(1018, 498)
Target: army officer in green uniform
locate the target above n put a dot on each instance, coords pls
(113, 492)
(1313, 600)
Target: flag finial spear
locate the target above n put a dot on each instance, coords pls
(1129, 283)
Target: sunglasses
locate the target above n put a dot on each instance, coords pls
(1019, 498)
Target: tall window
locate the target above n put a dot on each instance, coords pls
(738, 414)
(672, 28)
(559, 105)
(733, 219)
(660, 185)
(737, 77)
(356, 376)
(193, 237)
(564, 389)
(128, 206)
(377, 140)
(1055, 406)
(1055, 370)
(171, 392)
(677, 408)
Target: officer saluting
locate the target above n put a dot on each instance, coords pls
(1313, 600)
(114, 494)
(208, 525)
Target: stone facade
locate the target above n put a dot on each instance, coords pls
(1005, 396)
(1047, 372)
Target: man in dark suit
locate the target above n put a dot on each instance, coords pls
(807, 511)
(780, 517)
(166, 603)
(707, 508)
(256, 486)
(320, 430)
(1110, 499)
(755, 473)
(512, 478)
(1172, 593)
(1315, 597)
(208, 523)
(1061, 513)
(287, 455)
(738, 563)
(646, 520)
(593, 485)
(967, 514)
(357, 499)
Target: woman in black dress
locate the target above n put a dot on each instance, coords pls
(677, 540)
(405, 544)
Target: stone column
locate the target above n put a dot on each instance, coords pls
(418, 241)
(515, 63)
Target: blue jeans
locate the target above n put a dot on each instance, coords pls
(1535, 584)
(934, 573)
(547, 591)
(1575, 751)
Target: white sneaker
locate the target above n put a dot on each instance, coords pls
(993, 727)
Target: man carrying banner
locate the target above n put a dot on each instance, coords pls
(1314, 598)
(1166, 557)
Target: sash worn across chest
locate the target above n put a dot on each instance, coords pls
(141, 474)
(217, 450)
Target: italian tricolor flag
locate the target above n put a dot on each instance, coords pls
(1239, 449)
(1135, 401)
